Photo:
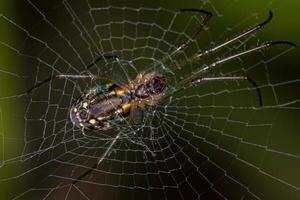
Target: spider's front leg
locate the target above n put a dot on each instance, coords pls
(206, 18)
(239, 36)
(231, 78)
(194, 80)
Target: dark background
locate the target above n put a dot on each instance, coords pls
(262, 152)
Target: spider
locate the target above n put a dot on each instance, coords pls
(102, 107)
(106, 106)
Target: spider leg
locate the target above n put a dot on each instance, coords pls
(199, 29)
(193, 78)
(131, 121)
(100, 159)
(232, 78)
(37, 85)
(85, 174)
(100, 58)
(109, 148)
(136, 114)
(239, 36)
(83, 76)
(40, 84)
(205, 20)
(257, 48)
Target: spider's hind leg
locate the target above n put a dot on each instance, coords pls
(231, 78)
(100, 160)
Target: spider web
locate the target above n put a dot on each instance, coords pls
(210, 141)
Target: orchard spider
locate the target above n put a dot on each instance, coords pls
(106, 106)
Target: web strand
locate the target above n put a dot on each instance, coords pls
(205, 141)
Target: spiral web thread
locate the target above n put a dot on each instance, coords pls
(210, 141)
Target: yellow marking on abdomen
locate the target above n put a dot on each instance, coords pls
(106, 124)
(84, 105)
(101, 118)
(92, 121)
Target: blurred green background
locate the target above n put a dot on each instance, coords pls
(281, 123)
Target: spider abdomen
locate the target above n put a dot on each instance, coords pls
(101, 108)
